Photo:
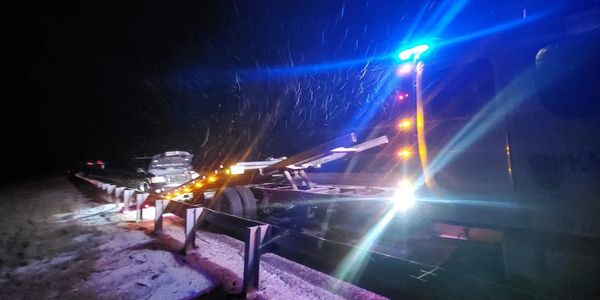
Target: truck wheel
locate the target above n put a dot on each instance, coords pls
(229, 202)
(265, 205)
(248, 201)
(198, 198)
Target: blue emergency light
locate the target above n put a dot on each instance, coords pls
(413, 53)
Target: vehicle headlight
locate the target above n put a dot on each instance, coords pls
(404, 197)
(158, 179)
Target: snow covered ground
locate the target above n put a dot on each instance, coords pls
(60, 240)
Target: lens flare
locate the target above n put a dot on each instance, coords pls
(352, 265)
(414, 52)
(404, 197)
(404, 153)
(404, 69)
(405, 123)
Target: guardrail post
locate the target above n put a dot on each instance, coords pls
(255, 236)
(159, 206)
(127, 194)
(139, 205)
(118, 193)
(110, 188)
(191, 219)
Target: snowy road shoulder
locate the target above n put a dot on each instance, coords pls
(80, 251)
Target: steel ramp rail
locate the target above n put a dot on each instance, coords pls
(325, 153)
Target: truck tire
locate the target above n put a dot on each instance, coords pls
(248, 201)
(198, 198)
(229, 202)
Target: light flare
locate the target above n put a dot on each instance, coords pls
(405, 153)
(404, 69)
(511, 96)
(404, 197)
(352, 265)
(405, 123)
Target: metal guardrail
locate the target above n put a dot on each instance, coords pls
(389, 276)
(194, 215)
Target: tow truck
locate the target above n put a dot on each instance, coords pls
(496, 146)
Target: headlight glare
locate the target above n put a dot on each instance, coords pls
(404, 197)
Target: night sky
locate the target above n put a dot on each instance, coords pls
(222, 79)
